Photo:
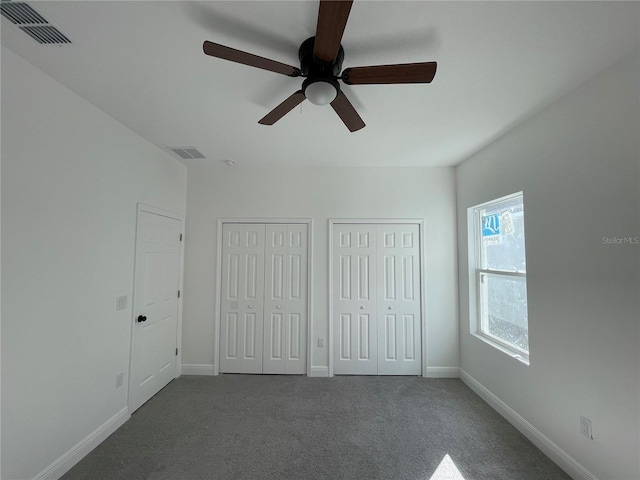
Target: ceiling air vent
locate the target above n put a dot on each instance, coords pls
(32, 23)
(21, 13)
(186, 153)
(46, 34)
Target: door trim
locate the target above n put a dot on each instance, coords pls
(142, 207)
(423, 315)
(218, 279)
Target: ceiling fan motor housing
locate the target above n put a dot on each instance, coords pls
(312, 67)
(321, 76)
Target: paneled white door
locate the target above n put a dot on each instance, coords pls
(398, 300)
(155, 306)
(285, 306)
(355, 337)
(376, 299)
(242, 297)
(263, 316)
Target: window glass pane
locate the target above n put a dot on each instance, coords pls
(502, 236)
(503, 302)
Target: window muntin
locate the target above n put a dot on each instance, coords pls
(500, 274)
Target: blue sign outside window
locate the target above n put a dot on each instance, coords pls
(491, 225)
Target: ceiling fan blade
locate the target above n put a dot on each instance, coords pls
(347, 113)
(332, 18)
(388, 74)
(281, 110)
(238, 56)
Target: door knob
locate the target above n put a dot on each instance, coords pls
(361, 307)
(142, 318)
(249, 306)
(390, 308)
(278, 307)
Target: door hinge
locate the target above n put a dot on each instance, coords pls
(180, 237)
(176, 351)
(178, 293)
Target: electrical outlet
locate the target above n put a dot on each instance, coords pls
(119, 380)
(121, 302)
(321, 342)
(585, 427)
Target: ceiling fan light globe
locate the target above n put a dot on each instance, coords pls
(321, 93)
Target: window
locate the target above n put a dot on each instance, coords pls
(500, 274)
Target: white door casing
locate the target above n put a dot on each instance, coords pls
(263, 298)
(155, 306)
(242, 297)
(355, 337)
(376, 299)
(285, 306)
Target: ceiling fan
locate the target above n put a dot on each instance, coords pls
(321, 60)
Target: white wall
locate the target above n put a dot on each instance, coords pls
(71, 179)
(578, 164)
(320, 194)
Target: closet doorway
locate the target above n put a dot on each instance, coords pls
(263, 297)
(375, 291)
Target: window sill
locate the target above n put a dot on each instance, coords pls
(521, 357)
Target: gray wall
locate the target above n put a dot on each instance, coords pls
(578, 165)
(71, 179)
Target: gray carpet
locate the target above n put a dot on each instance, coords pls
(240, 427)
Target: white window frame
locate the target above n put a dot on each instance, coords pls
(476, 273)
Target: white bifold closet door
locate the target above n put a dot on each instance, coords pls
(376, 299)
(285, 300)
(398, 295)
(241, 299)
(263, 326)
(355, 338)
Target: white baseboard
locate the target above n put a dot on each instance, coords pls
(197, 369)
(553, 451)
(443, 372)
(63, 464)
(319, 372)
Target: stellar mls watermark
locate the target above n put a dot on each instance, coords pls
(621, 240)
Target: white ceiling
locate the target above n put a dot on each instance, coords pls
(498, 62)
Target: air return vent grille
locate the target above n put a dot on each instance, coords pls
(32, 23)
(186, 153)
(45, 34)
(21, 13)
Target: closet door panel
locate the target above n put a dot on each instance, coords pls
(295, 332)
(399, 300)
(354, 299)
(276, 284)
(241, 299)
(285, 303)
